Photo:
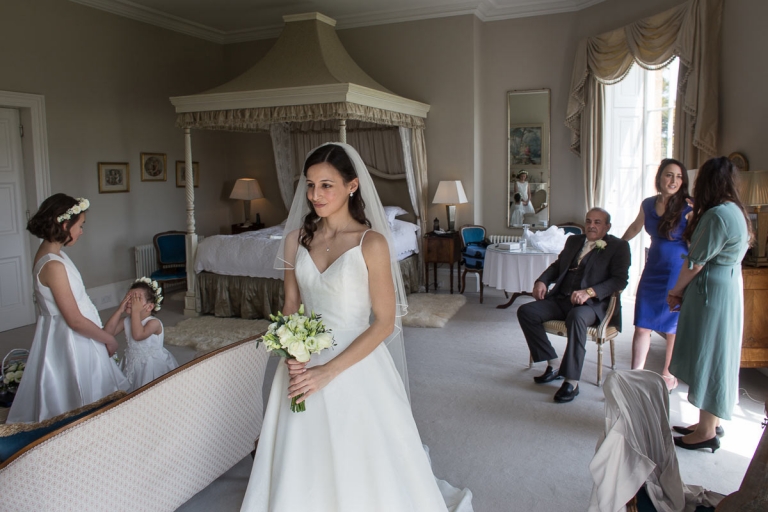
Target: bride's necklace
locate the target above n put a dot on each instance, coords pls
(328, 239)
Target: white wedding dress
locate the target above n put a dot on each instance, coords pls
(64, 370)
(356, 447)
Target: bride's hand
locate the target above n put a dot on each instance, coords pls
(295, 367)
(311, 380)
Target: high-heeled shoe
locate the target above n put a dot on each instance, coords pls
(719, 431)
(713, 444)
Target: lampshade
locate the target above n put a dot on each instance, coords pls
(246, 189)
(753, 188)
(450, 192)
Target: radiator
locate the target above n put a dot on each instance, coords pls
(499, 239)
(146, 260)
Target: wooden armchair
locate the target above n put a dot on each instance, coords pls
(171, 250)
(599, 334)
(472, 254)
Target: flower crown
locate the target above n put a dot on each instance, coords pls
(155, 288)
(82, 205)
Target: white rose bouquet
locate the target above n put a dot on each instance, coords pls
(299, 337)
(12, 376)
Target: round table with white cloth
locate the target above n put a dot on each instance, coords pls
(514, 271)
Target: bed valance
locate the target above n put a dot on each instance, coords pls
(259, 119)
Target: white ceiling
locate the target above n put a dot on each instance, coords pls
(230, 21)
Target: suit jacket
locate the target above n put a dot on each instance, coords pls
(606, 272)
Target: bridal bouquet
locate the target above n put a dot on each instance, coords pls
(297, 336)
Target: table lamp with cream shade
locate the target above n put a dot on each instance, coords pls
(450, 193)
(753, 192)
(246, 189)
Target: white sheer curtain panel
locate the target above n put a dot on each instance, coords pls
(284, 163)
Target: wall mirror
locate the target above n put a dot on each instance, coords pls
(528, 173)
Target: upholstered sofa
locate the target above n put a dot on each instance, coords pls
(150, 450)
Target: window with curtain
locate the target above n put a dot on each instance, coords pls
(638, 134)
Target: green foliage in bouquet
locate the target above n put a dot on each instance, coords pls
(297, 336)
(12, 376)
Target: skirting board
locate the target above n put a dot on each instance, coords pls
(109, 295)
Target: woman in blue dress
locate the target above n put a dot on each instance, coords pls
(664, 218)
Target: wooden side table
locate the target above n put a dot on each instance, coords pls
(442, 249)
(238, 228)
(754, 345)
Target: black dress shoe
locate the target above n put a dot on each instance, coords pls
(712, 444)
(566, 393)
(548, 376)
(719, 432)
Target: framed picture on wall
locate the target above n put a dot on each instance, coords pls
(154, 167)
(181, 180)
(114, 177)
(525, 145)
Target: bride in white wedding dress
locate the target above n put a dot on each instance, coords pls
(356, 448)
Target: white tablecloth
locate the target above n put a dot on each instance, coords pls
(514, 271)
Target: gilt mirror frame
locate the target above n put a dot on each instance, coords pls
(528, 153)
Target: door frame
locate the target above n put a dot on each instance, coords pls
(35, 104)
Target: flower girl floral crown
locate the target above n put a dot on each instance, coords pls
(156, 290)
(82, 205)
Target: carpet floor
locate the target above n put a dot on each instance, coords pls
(432, 309)
(207, 333)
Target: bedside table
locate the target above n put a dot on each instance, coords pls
(238, 228)
(442, 249)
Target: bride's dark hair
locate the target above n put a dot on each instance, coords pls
(338, 158)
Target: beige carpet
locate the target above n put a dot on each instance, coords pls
(432, 309)
(206, 333)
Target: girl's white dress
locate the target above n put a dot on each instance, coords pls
(356, 447)
(146, 360)
(522, 189)
(517, 214)
(65, 370)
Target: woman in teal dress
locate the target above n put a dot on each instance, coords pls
(709, 294)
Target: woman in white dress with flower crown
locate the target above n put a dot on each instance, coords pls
(356, 448)
(69, 363)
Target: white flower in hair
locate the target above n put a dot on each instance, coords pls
(82, 205)
(155, 288)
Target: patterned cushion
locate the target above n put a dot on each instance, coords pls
(153, 449)
(558, 327)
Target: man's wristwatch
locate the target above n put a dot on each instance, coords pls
(590, 292)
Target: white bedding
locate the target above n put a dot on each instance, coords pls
(253, 253)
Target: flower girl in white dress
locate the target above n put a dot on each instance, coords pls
(69, 363)
(356, 448)
(145, 358)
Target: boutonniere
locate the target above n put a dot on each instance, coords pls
(600, 245)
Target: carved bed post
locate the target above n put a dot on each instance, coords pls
(191, 299)
(343, 131)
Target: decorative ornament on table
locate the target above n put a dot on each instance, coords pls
(297, 336)
(436, 225)
(155, 288)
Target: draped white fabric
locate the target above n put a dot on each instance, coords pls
(284, 163)
(637, 449)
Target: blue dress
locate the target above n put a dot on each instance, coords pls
(665, 258)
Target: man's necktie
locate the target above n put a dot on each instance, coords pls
(588, 246)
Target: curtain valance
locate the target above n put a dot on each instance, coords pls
(259, 119)
(690, 31)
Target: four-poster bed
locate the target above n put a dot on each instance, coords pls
(308, 90)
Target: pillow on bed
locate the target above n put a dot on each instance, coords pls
(393, 211)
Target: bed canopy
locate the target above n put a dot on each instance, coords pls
(305, 91)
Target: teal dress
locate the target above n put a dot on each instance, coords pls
(708, 345)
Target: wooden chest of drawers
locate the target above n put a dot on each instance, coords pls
(754, 348)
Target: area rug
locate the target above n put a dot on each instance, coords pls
(207, 333)
(432, 309)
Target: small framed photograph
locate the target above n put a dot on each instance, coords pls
(154, 167)
(114, 177)
(181, 180)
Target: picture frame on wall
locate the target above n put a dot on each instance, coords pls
(525, 145)
(114, 177)
(181, 175)
(154, 167)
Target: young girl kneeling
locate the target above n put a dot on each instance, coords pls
(145, 358)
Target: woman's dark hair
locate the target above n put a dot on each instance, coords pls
(149, 293)
(673, 210)
(44, 224)
(715, 185)
(338, 158)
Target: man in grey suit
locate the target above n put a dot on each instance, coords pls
(587, 272)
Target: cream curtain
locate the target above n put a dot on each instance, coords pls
(419, 155)
(282, 147)
(690, 31)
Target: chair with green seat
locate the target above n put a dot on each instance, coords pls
(472, 254)
(171, 250)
